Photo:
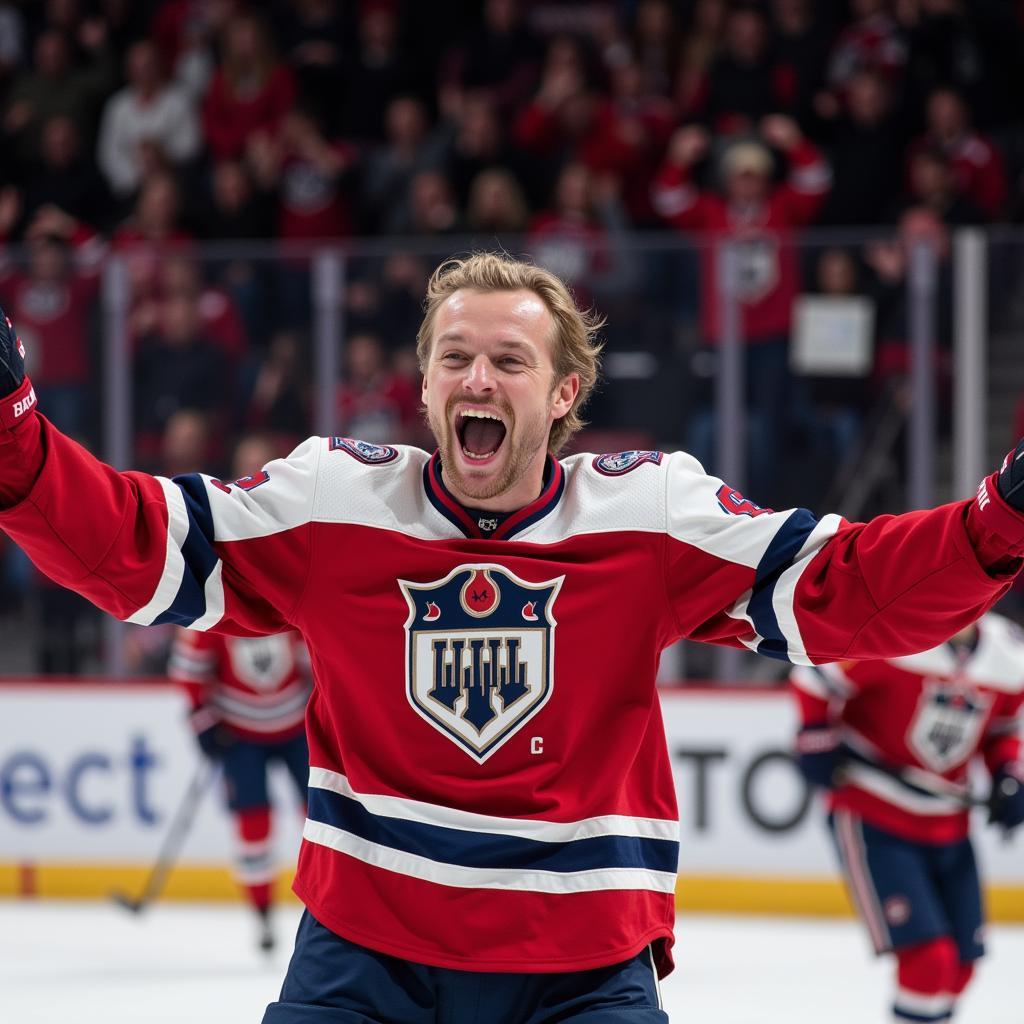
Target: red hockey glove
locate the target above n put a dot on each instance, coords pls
(818, 754)
(1011, 478)
(1006, 805)
(17, 397)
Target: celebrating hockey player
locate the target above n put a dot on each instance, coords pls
(892, 742)
(492, 828)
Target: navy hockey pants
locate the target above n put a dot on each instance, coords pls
(907, 893)
(333, 981)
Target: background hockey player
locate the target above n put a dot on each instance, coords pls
(892, 742)
(492, 831)
(248, 697)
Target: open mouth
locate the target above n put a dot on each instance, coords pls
(480, 433)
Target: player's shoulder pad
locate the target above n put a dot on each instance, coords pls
(362, 482)
(999, 658)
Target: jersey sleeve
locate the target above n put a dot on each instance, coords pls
(809, 590)
(191, 551)
(1002, 741)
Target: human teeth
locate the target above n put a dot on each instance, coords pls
(478, 414)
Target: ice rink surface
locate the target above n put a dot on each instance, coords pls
(93, 964)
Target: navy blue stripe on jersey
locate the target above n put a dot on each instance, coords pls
(549, 498)
(784, 548)
(487, 850)
(189, 603)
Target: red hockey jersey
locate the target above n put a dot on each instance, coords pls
(912, 726)
(257, 686)
(490, 787)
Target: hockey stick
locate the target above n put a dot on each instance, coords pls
(179, 829)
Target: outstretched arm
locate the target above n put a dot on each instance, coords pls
(191, 551)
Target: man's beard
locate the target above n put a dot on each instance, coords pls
(522, 441)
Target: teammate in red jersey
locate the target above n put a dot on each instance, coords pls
(892, 742)
(492, 831)
(248, 697)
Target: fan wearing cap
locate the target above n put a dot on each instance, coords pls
(753, 210)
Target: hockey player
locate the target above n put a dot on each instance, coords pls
(892, 742)
(248, 697)
(492, 832)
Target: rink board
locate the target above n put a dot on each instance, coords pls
(91, 774)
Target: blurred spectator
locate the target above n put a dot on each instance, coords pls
(889, 260)
(499, 59)
(756, 218)
(872, 39)
(932, 184)
(976, 162)
(177, 367)
(478, 143)
(239, 211)
(496, 206)
(275, 390)
(379, 72)
(307, 173)
(184, 31)
(569, 120)
(314, 36)
(390, 167)
(655, 45)
(65, 177)
(12, 43)
(433, 208)
(55, 87)
(251, 91)
(971, 46)
(742, 85)
(152, 231)
(179, 275)
(237, 208)
(580, 238)
(700, 48)
(52, 302)
(864, 142)
(803, 31)
(148, 111)
(186, 444)
(374, 403)
(837, 404)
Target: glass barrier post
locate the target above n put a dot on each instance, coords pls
(117, 416)
(730, 418)
(328, 336)
(970, 331)
(921, 432)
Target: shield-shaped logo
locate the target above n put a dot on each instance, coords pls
(947, 724)
(480, 653)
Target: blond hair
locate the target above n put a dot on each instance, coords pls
(575, 347)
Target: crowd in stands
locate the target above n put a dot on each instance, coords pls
(151, 130)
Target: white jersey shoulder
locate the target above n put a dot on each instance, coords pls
(997, 661)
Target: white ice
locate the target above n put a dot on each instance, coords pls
(82, 963)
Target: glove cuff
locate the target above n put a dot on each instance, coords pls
(17, 405)
(997, 515)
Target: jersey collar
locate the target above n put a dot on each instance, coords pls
(445, 503)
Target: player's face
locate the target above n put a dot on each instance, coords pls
(491, 395)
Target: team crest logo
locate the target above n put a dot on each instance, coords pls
(947, 724)
(620, 463)
(370, 454)
(480, 650)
